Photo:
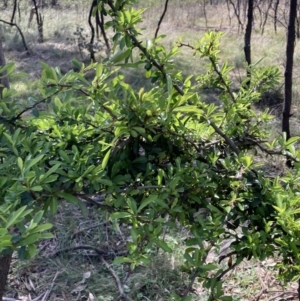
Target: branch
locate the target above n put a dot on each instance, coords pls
(137, 44)
(32, 107)
(117, 279)
(20, 31)
(161, 19)
(81, 247)
(228, 270)
(216, 69)
(51, 287)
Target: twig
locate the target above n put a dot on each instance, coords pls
(48, 292)
(161, 18)
(32, 107)
(263, 291)
(228, 270)
(281, 295)
(88, 228)
(81, 247)
(117, 279)
(189, 287)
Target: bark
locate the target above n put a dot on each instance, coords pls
(288, 74)
(248, 32)
(5, 258)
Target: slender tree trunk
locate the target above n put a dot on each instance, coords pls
(288, 74)
(247, 46)
(5, 258)
(276, 15)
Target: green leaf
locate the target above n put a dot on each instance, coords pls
(117, 215)
(32, 162)
(170, 87)
(18, 216)
(120, 260)
(41, 228)
(162, 245)
(120, 56)
(105, 159)
(3, 231)
(20, 164)
(68, 197)
(151, 199)
(30, 239)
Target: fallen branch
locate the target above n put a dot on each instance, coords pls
(117, 279)
(48, 292)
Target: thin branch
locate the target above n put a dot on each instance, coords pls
(20, 31)
(262, 292)
(81, 247)
(100, 23)
(91, 46)
(161, 18)
(32, 107)
(189, 287)
(138, 44)
(48, 292)
(88, 228)
(228, 270)
(14, 12)
(117, 279)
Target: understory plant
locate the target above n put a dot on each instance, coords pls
(159, 158)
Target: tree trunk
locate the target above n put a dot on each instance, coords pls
(5, 258)
(4, 269)
(248, 32)
(288, 74)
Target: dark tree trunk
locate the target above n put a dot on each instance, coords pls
(247, 46)
(288, 74)
(5, 258)
(4, 269)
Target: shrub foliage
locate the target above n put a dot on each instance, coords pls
(159, 158)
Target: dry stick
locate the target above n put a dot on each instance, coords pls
(81, 247)
(48, 292)
(20, 31)
(263, 291)
(117, 279)
(281, 295)
(161, 18)
(88, 228)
